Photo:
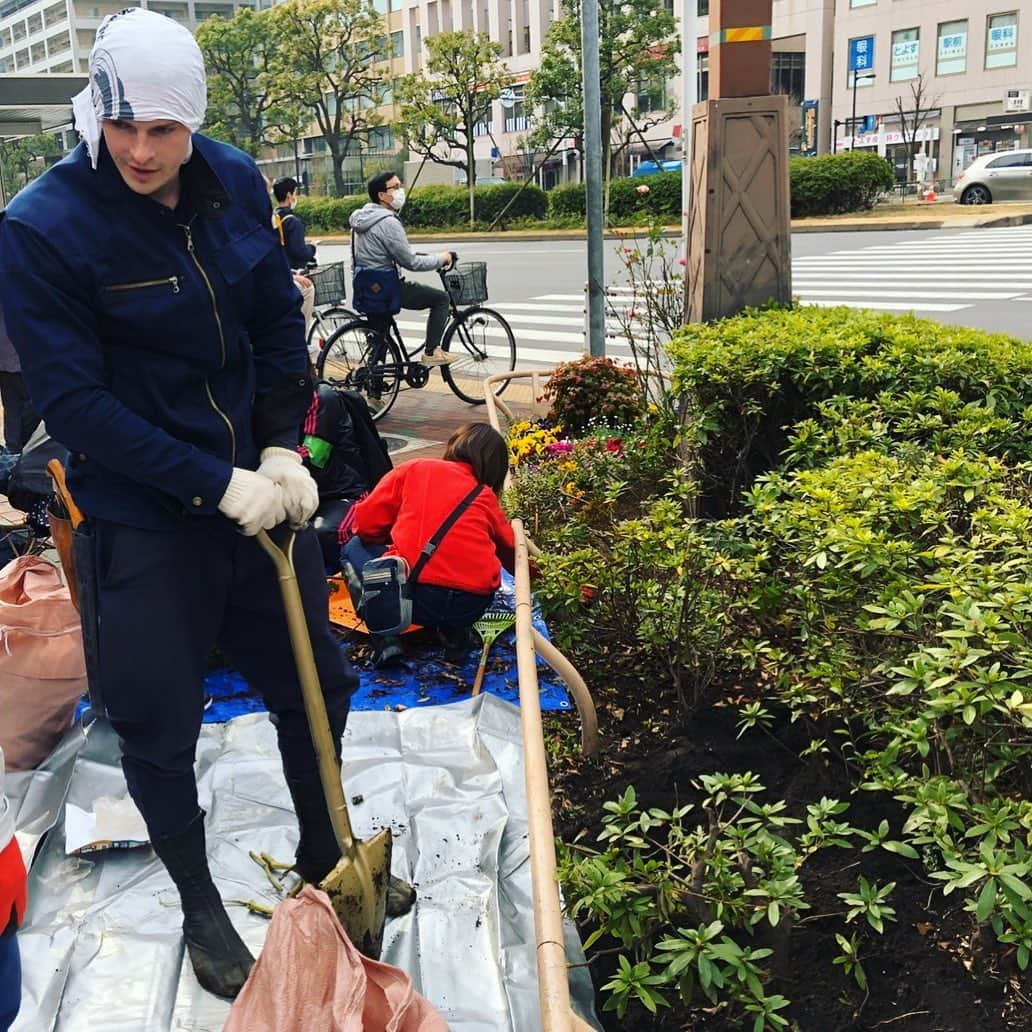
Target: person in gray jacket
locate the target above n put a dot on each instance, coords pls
(379, 242)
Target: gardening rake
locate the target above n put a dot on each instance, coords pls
(489, 626)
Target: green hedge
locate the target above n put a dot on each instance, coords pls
(836, 183)
(753, 379)
(431, 207)
(661, 199)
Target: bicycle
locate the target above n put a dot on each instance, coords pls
(368, 354)
(329, 311)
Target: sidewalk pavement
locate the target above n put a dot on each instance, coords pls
(941, 214)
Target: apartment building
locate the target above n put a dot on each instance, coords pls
(49, 36)
(971, 61)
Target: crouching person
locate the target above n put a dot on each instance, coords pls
(402, 514)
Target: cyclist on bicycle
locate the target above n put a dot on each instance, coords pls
(290, 226)
(379, 242)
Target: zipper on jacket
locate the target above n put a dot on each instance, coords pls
(222, 339)
(168, 281)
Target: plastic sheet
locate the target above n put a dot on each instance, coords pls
(102, 947)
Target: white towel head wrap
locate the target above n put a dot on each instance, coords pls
(143, 66)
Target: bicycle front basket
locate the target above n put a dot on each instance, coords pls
(467, 283)
(329, 282)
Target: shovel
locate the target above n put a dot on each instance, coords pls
(357, 886)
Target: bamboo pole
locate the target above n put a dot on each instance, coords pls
(553, 980)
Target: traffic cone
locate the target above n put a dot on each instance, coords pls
(929, 194)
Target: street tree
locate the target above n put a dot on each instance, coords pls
(913, 112)
(442, 104)
(238, 54)
(333, 58)
(638, 47)
(24, 158)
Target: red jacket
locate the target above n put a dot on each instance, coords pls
(409, 504)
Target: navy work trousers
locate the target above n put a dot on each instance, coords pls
(165, 599)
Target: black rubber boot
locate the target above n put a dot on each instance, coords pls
(318, 852)
(219, 957)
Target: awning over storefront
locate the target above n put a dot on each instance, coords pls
(992, 123)
(31, 104)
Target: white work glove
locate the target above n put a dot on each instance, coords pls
(300, 493)
(253, 501)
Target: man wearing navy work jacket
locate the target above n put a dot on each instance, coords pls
(161, 338)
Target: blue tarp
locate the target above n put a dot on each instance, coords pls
(423, 679)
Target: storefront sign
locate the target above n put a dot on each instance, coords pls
(953, 47)
(1002, 37)
(890, 139)
(861, 53)
(808, 144)
(905, 53)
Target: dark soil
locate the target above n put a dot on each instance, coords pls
(919, 971)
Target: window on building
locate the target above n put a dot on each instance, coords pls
(382, 6)
(951, 54)
(1001, 40)
(35, 24)
(516, 117)
(788, 75)
(862, 3)
(906, 53)
(652, 94)
(397, 44)
(702, 9)
(702, 77)
(380, 139)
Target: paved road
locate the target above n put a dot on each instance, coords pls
(974, 277)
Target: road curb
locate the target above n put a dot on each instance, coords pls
(632, 232)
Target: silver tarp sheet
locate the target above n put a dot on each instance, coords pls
(101, 948)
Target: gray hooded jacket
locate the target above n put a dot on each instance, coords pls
(379, 242)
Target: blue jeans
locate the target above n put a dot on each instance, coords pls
(10, 980)
(447, 609)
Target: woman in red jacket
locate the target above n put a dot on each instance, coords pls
(406, 508)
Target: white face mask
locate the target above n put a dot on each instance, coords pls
(398, 198)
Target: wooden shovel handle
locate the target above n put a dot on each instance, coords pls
(56, 471)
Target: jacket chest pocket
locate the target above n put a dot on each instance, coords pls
(143, 310)
(237, 260)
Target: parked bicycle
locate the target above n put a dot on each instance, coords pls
(368, 355)
(330, 312)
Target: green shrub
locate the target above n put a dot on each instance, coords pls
(532, 203)
(660, 201)
(566, 201)
(593, 389)
(436, 206)
(328, 214)
(749, 380)
(835, 183)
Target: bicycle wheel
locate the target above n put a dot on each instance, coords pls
(360, 358)
(325, 323)
(485, 345)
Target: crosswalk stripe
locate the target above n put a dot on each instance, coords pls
(1012, 285)
(981, 295)
(900, 306)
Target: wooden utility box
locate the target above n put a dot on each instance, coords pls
(739, 226)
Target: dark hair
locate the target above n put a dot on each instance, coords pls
(284, 186)
(484, 449)
(378, 184)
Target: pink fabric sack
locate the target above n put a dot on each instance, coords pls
(42, 666)
(310, 976)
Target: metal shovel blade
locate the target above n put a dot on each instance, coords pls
(357, 886)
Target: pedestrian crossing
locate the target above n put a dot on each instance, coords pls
(939, 273)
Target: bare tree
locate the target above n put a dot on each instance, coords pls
(911, 121)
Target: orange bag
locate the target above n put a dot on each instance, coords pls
(310, 976)
(42, 666)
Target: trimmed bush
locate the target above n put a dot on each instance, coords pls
(836, 183)
(328, 214)
(661, 200)
(750, 380)
(430, 207)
